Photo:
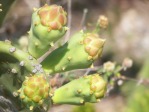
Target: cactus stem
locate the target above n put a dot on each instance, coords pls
(12, 49)
(69, 58)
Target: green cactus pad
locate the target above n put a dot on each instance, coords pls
(48, 25)
(80, 52)
(85, 89)
(34, 90)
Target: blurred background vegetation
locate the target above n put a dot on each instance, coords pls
(127, 36)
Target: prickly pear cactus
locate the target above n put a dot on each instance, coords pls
(48, 25)
(26, 80)
(85, 89)
(80, 52)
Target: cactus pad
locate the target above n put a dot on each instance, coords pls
(80, 52)
(48, 25)
(85, 89)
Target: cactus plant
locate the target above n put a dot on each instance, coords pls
(28, 78)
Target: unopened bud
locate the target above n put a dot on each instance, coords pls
(109, 66)
(127, 63)
(103, 21)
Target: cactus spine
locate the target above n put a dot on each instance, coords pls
(85, 89)
(79, 52)
(48, 25)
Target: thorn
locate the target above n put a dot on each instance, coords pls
(82, 101)
(98, 100)
(34, 9)
(15, 94)
(89, 58)
(28, 32)
(30, 58)
(81, 42)
(26, 78)
(92, 66)
(51, 44)
(36, 23)
(22, 97)
(63, 68)
(69, 58)
(14, 71)
(45, 4)
(81, 31)
(79, 91)
(22, 63)
(19, 91)
(12, 49)
(36, 44)
(66, 28)
(91, 92)
(34, 71)
(49, 29)
(50, 94)
(8, 41)
(40, 102)
(31, 108)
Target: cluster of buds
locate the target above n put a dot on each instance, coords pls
(109, 66)
(34, 90)
(127, 63)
